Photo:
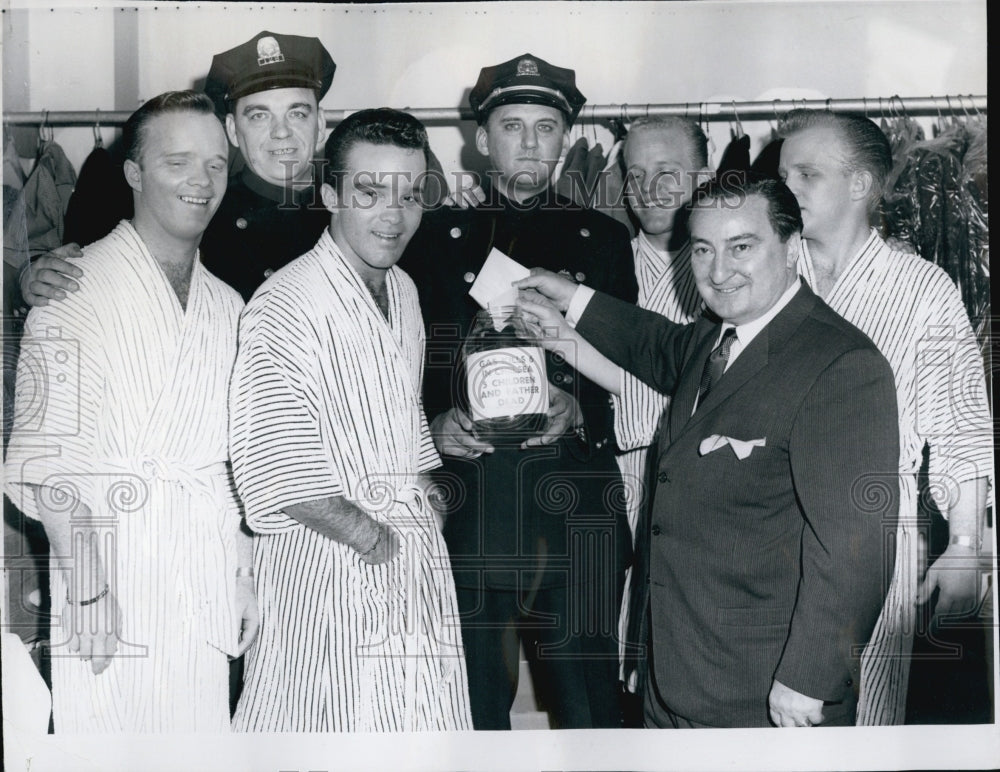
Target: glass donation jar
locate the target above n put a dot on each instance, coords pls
(504, 384)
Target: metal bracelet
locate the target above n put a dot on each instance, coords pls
(93, 600)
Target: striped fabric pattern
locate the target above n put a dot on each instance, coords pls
(912, 311)
(666, 285)
(122, 397)
(326, 402)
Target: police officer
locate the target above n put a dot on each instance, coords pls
(536, 534)
(268, 89)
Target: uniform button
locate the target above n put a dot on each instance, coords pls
(567, 378)
(268, 273)
(469, 277)
(849, 682)
(662, 477)
(655, 530)
(580, 277)
(241, 223)
(455, 232)
(584, 232)
(599, 444)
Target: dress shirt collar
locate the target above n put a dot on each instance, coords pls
(747, 332)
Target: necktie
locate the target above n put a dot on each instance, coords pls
(715, 365)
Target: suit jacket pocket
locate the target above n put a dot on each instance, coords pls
(755, 616)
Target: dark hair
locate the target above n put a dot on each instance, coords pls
(782, 209)
(696, 139)
(377, 126)
(867, 148)
(133, 132)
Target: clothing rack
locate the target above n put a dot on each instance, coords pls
(872, 107)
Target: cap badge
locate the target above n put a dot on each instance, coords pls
(268, 52)
(527, 67)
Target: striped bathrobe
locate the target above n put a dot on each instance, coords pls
(326, 402)
(912, 311)
(666, 286)
(121, 398)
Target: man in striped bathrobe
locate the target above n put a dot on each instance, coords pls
(330, 445)
(119, 448)
(837, 167)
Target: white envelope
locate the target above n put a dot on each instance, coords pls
(742, 448)
(492, 285)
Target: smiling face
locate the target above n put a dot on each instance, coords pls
(740, 264)
(378, 208)
(278, 131)
(661, 177)
(180, 177)
(524, 143)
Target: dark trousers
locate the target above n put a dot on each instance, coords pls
(571, 647)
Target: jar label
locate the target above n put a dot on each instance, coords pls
(506, 382)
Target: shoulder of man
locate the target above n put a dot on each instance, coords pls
(443, 231)
(225, 294)
(837, 336)
(292, 285)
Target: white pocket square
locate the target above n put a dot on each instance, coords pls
(742, 448)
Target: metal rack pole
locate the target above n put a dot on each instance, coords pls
(874, 107)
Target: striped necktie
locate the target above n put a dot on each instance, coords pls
(715, 365)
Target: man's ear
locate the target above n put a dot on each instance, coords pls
(482, 141)
(231, 130)
(321, 129)
(794, 249)
(700, 177)
(330, 198)
(133, 175)
(862, 184)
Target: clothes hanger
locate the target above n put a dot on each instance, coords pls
(45, 135)
(98, 139)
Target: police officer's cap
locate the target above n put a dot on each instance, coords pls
(267, 61)
(526, 79)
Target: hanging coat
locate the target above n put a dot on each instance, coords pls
(46, 195)
(102, 199)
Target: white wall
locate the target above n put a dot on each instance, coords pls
(62, 55)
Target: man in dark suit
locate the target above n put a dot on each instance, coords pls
(775, 486)
(537, 536)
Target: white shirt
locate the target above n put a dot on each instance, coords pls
(745, 333)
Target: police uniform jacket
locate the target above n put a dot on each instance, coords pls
(260, 228)
(542, 516)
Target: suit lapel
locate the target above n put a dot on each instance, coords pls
(750, 362)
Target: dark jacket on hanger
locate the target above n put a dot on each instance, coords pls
(768, 159)
(101, 200)
(736, 156)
